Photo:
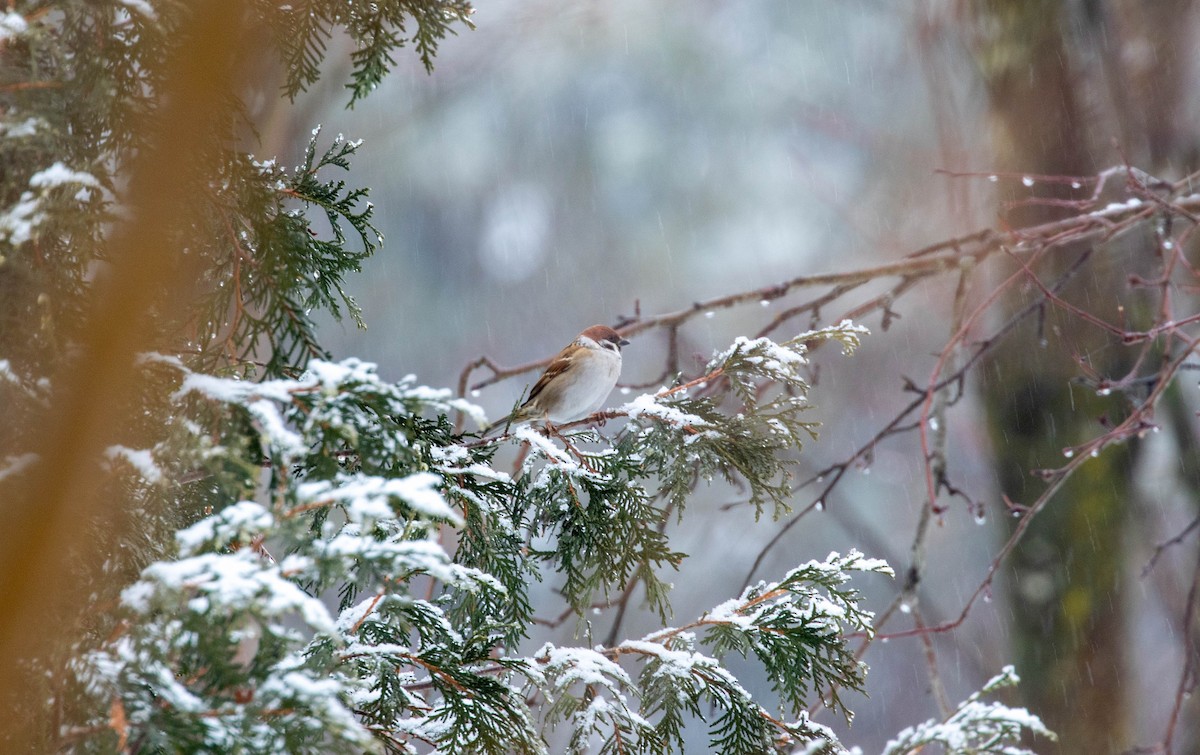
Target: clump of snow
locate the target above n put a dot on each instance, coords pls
(12, 24)
(59, 174)
(797, 597)
(140, 459)
(975, 725)
(368, 498)
(676, 663)
(398, 555)
(570, 666)
(765, 352)
(545, 447)
(598, 709)
(299, 689)
(852, 561)
(36, 390)
(231, 582)
(19, 222)
(330, 376)
(649, 405)
(354, 615)
(141, 6)
(274, 430)
(234, 391)
(450, 459)
(27, 127)
(154, 357)
(15, 465)
(846, 332)
(266, 167)
(730, 612)
(443, 398)
(240, 522)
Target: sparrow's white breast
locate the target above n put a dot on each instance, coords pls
(590, 386)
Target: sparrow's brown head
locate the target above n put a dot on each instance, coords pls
(602, 334)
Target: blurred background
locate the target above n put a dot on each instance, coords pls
(575, 163)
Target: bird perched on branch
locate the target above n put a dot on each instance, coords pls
(576, 382)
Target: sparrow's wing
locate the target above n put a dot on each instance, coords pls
(563, 362)
(566, 360)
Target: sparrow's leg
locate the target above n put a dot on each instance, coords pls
(552, 430)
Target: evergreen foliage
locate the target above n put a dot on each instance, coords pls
(378, 29)
(274, 270)
(976, 726)
(282, 577)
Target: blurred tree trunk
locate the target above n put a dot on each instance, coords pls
(1060, 90)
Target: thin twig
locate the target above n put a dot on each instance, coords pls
(1191, 653)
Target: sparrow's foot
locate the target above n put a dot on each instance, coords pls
(552, 430)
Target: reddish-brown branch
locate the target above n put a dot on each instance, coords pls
(1191, 655)
(1134, 424)
(1165, 339)
(897, 425)
(1162, 547)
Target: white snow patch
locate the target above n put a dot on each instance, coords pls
(580, 665)
(406, 555)
(450, 459)
(240, 522)
(233, 391)
(15, 465)
(141, 6)
(27, 127)
(367, 498)
(545, 446)
(58, 175)
(729, 613)
(331, 375)
(443, 397)
(18, 222)
(648, 405)
(140, 459)
(274, 430)
(238, 581)
(1118, 206)
(676, 663)
(12, 24)
(154, 357)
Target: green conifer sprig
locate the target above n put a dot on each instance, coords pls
(377, 30)
(796, 628)
(601, 514)
(601, 525)
(255, 571)
(976, 726)
(276, 268)
(792, 619)
(749, 444)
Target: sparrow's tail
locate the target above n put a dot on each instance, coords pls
(520, 413)
(504, 422)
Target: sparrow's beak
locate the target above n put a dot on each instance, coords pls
(622, 342)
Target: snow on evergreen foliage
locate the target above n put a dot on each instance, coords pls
(230, 643)
(301, 557)
(976, 726)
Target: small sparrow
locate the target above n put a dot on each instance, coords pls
(576, 382)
